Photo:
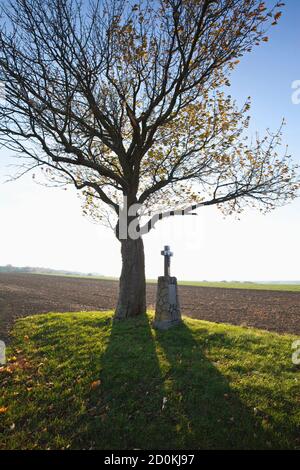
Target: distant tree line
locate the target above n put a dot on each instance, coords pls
(28, 269)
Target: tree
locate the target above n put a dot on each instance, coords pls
(126, 101)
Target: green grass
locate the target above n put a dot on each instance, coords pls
(244, 285)
(198, 385)
(226, 285)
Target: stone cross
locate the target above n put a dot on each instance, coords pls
(167, 310)
(167, 258)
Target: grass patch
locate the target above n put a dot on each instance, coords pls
(82, 381)
(244, 285)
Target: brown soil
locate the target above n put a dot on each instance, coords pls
(28, 294)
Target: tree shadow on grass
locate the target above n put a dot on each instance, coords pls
(127, 406)
(209, 414)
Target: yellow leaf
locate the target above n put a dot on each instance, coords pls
(278, 15)
(3, 409)
(95, 384)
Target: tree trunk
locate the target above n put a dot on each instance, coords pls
(132, 289)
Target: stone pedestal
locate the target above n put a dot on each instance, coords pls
(167, 312)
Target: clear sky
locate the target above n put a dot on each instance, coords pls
(45, 227)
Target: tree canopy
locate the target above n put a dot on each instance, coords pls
(128, 99)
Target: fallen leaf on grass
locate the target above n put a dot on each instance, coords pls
(6, 369)
(3, 409)
(95, 384)
(18, 364)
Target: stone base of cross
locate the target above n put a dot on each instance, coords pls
(167, 311)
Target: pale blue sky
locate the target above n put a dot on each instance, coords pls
(44, 227)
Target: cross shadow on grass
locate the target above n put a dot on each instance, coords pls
(208, 413)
